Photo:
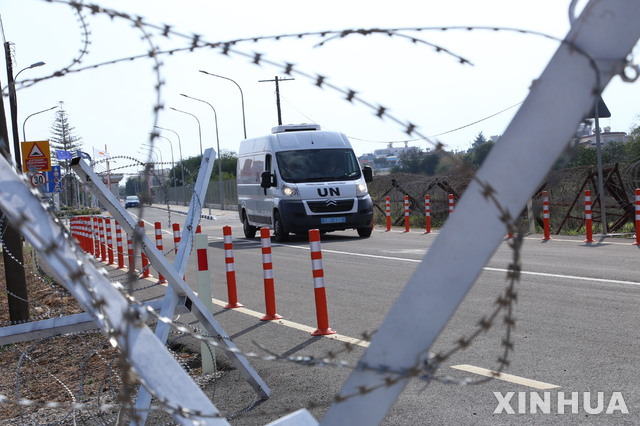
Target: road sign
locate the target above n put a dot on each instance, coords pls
(36, 156)
(38, 179)
(54, 180)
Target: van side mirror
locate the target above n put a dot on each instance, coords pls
(367, 171)
(265, 180)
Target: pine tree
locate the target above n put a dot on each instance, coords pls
(63, 137)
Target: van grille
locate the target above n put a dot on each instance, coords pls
(330, 206)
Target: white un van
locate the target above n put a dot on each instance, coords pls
(300, 178)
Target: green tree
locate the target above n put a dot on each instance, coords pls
(63, 137)
(478, 153)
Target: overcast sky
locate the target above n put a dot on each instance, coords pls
(113, 105)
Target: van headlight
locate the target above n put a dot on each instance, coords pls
(361, 188)
(290, 191)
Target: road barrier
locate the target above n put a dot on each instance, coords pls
(267, 267)
(230, 268)
(107, 225)
(158, 228)
(545, 215)
(637, 217)
(427, 214)
(588, 217)
(451, 204)
(407, 225)
(322, 314)
(177, 236)
(119, 248)
(96, 237)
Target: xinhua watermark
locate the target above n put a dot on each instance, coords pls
(561, 403)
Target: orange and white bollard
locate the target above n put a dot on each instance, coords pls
(451, 204)
(107, 225)
(588, 217)
(407, 225)
(103, 240)
(119, 248)
(322, 314)
(267, 267)
(145, 260)
(230, 267)
(177, 236)
(387, 212)
(427, 214)
(96, 237)
(637, 243)
(545, 215)
(158, 228)
(131, 255)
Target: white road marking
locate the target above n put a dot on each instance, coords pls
(505, 377)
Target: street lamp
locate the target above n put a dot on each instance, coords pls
(34, 65)
(215, 115)
(173, 164)
(244, 124)
(153, 148)
(199, 129)
(181, 161)
(24, 137)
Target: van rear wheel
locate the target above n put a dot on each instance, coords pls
(280, 234)
(249, 230)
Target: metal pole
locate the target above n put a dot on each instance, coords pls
(173, 164)
(199, 129)
(184, 199)
(24, 136)
(215, 115)
(277, 95)
(244, 123)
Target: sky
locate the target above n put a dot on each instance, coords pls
(112, 106)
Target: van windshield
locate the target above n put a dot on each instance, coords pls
(318, 165)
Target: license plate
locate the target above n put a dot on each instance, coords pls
(326, 220)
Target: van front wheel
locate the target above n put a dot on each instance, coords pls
(364, 232)
(280, 234)
(249, 230)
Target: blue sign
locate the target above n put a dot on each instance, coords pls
(54, 180)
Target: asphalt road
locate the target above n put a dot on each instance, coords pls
(577, 326)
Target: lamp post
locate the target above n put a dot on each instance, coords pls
(24, 137)
(215, 115)
(173, 164)
(199, 129)
(244, 124)
(153, 148)
(181, 161)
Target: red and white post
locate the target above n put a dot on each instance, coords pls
(267, 267)
(637, 243)
(177, 236)
(387, 212)
(145, 260)
(407, 225)
(158, 228)
(427, 214)
(131, 255)
(96, 237)
(103, 244)
(201, 242)
(119, 248)
(545, 215)
(322, 313)
(588, 217)
(230, 267)
(451, 204)
(107, 225)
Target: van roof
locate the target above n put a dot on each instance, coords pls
(295, 128)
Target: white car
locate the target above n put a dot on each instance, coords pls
(132, 201)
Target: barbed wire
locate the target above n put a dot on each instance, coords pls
(390, 375)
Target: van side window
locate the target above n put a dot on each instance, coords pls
(268, 168)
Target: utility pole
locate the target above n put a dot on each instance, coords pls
(12, 241)
(277, 95)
